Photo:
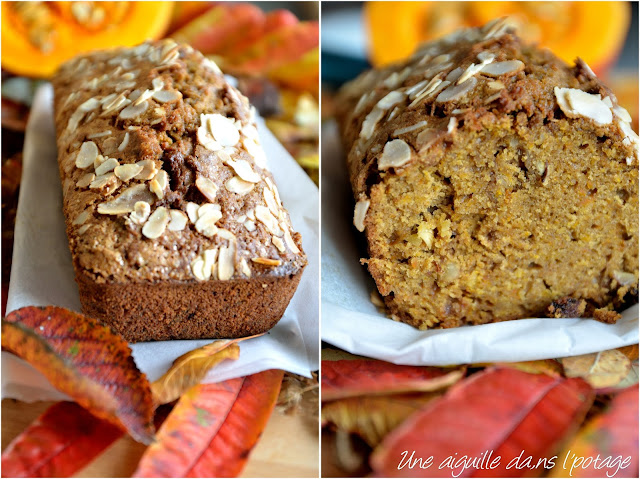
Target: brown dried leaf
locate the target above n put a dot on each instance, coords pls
(550, 367)
(294, 389)
(630, 351)
(190, 368)
(600, 370)
(373, 417)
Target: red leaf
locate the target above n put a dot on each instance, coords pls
(59, 443)
(220, 423)
(358, 377)
(501, 412)
(85, 360)
(612, 434)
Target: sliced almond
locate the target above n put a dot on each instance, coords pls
(82, 217)
(86, 180)
(106, 166)
(103, 181)
(197, 268)
(133, 111)
(395, 154)
(244, 268)
(178, 220)
(126, 201)
(226, 262)
(455, 92)
(288, 239)
(206, 225)
(125, 142)
(270, 200)
(410, 128)
(390, 99)
(268, 220)
(166, 96)
(157, 223)
(267, 261)
(128, 171)
(100, 134)
(149, 170)
(159, 184)
(243, 170)
(238, 185)
(209, 256)
(370, 122)
(360, 213)
(577, 103)
(157, 83)
(250, 225)
(206, 140)
(140, 213)
(210, 209)
(255, 151)
(192, 211)
(83, 229)
(624, 278)
(87, 154)
(207, 187)
(278, 244)
(222, 129)
(497, 69)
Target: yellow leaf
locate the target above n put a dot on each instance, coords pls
(600, 370)
(189, 369)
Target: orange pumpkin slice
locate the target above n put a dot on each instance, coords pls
(38, 36)
(595, 31)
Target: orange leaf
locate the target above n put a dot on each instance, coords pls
(612, 434)
(517, 416)
(220, 422)
(190, 368)
(84, 359)
(359, 377)
(373, 417)
(63, 440)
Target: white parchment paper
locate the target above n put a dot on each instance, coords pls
(42, 272)
(351, 322)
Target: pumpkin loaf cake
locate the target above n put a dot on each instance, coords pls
(490, 179)
(175, 225)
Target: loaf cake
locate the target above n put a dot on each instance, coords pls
(175, 224)
(490, 178)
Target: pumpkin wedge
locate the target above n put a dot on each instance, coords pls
(38, 36)
(595, 31)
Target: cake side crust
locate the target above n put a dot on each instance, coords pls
(188, 310)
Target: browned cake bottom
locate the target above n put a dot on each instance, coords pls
(175, 310)
(501, 223)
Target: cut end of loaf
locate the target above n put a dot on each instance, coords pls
(502, 223)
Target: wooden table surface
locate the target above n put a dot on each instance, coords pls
(289, 446)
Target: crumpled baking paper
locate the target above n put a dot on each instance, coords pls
(42, 272)
(351, 322)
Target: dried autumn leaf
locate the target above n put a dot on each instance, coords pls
(85, 360)
(550, 367)
(630, 351)
(358, 377)
(612, 434)
(220, 422)
(601, 370)
(501, 412)
(63, 440)
(373, 417)
(190, 368)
